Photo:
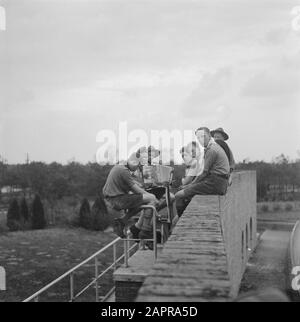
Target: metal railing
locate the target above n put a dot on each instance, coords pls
(295, 234)
(95, 281)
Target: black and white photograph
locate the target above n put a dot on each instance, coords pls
(149, 153)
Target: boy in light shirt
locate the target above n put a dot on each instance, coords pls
(194, 161)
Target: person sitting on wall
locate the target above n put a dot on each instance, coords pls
(121, 192)
(191, 155)
(194, 162)
(214, 178)
(220, 136)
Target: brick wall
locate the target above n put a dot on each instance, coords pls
(238, 219)
(205, 256)
(126, 291)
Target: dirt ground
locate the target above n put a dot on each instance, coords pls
(32, 259)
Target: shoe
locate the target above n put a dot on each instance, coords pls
(119, 228)
(135, 232)
(149, 244)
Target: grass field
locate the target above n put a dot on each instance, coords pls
(279, 211)
(277, 206)
(291, 216)
(33, 259)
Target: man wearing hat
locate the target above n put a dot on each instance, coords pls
(121, 192)
(220, 136)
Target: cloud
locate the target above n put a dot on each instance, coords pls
(207, 98)
(280, 80)
(79, 66)
(276, 36)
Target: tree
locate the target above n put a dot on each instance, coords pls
(85, 214)
(99, 215)
(24, 212)
(13, 216)
(38, 215)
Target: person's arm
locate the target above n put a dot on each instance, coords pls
(187, 180)
(231, 161)
(137, 189)
(129, 180)
(209, 160)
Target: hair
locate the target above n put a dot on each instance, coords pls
(205, 129)
(190, 148)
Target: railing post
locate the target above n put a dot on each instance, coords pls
(154, 233)
(96, 279)
(36, 299)
(115, 256)
(72, 286)
(125, 253)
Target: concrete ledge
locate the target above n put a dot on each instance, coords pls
(128, 280)
(139, 266)
(205, 257)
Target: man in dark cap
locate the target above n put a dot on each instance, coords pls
(220, 136)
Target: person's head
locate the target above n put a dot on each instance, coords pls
(153, 153)
(133, 162)
(219, 134)
(194, 149)
(142, 155)
(186, 156)
(203, 135)
(190, 153)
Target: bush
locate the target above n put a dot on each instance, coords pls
(276, 207)
(264, 208)
(99, 215)
(38, 214)
(13, 216)
(288, 207)
(85, 219)
(24, 212)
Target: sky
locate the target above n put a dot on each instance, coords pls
(71, 69)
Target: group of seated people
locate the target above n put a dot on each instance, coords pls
(129, 186)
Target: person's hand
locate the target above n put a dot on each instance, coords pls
(180, 194)
(155, 200)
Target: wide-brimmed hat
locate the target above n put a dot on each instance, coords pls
(220, 130)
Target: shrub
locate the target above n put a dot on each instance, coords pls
(85, 219)
(264, 208)
(24, 210)
(276, 207)
(288, 207)
(99, 215)
(38, 214)
(13, 216)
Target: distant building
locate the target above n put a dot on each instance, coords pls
(9, 189)
(283, 192)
